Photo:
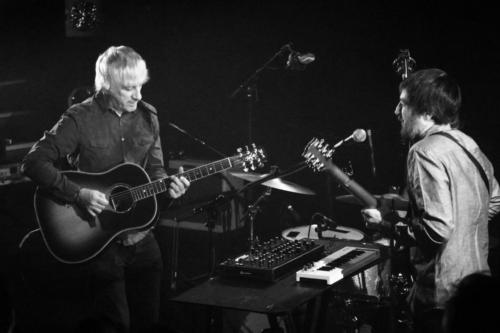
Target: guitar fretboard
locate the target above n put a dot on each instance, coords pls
(192, 175)
(206, 170)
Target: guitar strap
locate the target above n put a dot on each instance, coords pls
(474, 160)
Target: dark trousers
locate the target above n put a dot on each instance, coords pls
(125, 282)
(430, 321)
(117, 291)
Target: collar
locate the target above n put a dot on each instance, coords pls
(437, 128)
(105, 102)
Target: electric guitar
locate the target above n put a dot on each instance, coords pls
(318, 154)
(73, 236)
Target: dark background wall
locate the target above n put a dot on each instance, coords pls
(198, 54)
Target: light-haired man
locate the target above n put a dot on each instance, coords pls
(111, 127)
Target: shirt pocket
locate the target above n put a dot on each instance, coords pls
(100, 154)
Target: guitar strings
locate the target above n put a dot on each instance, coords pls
(145, 188)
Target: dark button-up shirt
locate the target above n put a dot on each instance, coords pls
(451, 206)
(96, 139)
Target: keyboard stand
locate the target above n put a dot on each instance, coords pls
(276, 299)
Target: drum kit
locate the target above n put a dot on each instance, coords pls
(374, 280)
(378, 289)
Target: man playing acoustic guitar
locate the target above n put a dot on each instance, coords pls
(112, 127)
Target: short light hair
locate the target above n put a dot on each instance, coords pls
(119, 63)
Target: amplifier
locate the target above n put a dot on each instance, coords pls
(13, 152)
(11, 174)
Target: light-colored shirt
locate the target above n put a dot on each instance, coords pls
(450, 209)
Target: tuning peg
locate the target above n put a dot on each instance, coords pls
(319, 143)
(318, 166)
(326, 151)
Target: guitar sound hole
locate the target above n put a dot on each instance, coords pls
(121, 199)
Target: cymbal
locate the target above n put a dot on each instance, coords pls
(276, 183)
(13, 113)
(396, 201)
(8, 83)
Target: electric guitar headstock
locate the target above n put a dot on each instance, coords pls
(250, 158)
(404, 64)
(317, 154)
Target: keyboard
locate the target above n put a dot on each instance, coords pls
(339, 264)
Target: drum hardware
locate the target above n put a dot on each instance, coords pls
(324, 223)
(387, 279)
(393, 200)
(309, 231)
(276, 183)
(399, 282)
(252, 211)
(271, 180)
(11, 82)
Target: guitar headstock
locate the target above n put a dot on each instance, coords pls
(251, 157)
(317, 153)
(404, 64)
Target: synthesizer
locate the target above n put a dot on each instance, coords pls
(339, 264)
(272, 259)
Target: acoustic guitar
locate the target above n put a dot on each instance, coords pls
(72, 235)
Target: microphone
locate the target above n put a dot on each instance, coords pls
(326, 222)
(298, 61)
(293, 213)
(358, 135)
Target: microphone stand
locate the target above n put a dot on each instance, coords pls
(211, 219)
(203, 143)
(250, 85)
(253, 209)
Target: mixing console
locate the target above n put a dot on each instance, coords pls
(272, 259)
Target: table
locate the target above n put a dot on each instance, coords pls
(275, 299)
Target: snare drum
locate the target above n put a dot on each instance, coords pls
(305, 231)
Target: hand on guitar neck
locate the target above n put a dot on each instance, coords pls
(377, 212)
(116, 201)
(382, 217)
